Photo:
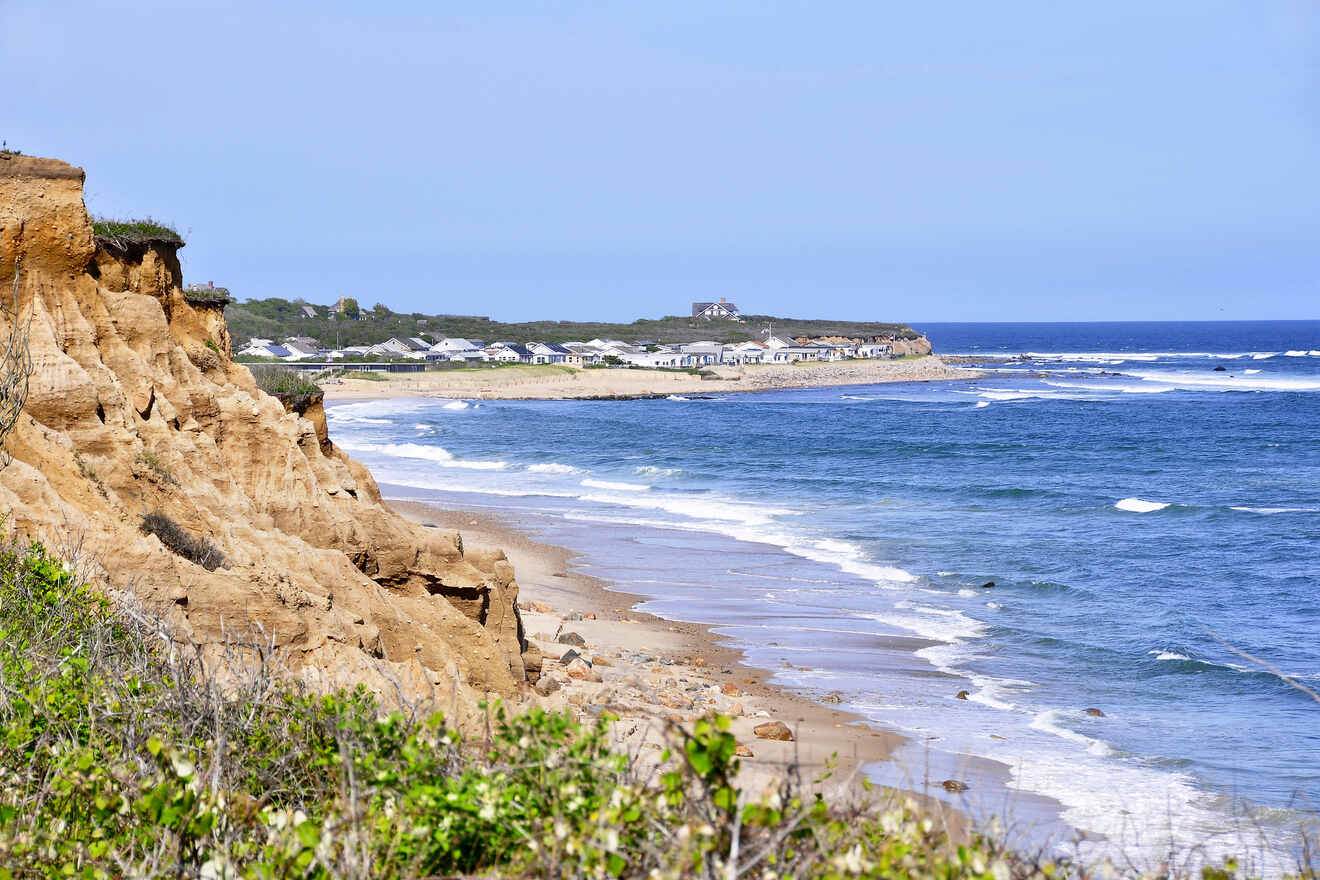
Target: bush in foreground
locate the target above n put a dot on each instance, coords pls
(124, 756)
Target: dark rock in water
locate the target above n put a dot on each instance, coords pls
(1221, 369)
(987, 585)
(962, 695)
(571, 638)
(1096, 712)
(953, 785)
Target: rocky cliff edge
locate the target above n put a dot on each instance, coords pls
(135, 407)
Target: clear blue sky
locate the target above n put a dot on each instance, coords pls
(890, 161)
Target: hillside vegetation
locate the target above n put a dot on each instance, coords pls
(123, 754)
(278, 318)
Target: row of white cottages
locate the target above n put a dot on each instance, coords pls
(597, 352)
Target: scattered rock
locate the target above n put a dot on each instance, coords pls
(560, 574)
(541, 608)
(962, 695)
(953, 785)
(543, 636)
(524, 606)
(598, 660)
(736, 709)
(1096, 712)
(997, 736)
(569, 656)
(777, 730)
(729, 689)
(572, 638)
(700, 661)
(832, 698)
(742, 751)
(673, 701)
(546, 686)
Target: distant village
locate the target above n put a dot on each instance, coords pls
(770, 349)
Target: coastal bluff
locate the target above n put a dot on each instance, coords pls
(136, 409)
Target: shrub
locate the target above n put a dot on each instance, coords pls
(180, 541)
(122, 234)
(277, 380)
(123, 756)
(158, 468)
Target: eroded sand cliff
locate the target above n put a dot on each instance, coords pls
(135, 406)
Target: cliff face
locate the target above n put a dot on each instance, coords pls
(136, 407)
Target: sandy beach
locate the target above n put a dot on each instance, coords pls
(554, 382)
(649, 671)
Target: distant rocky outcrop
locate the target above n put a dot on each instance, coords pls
(136, 408)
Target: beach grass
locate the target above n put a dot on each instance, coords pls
(122, 233)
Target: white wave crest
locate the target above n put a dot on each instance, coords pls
(553, 467)
(456, 404)
(615, 486)
(1138, 505)
(440, 456)
(650, 470)
(1271, 510)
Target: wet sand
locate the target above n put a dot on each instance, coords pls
(658, 671)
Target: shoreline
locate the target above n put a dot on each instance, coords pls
(554, 594)
(557, 382)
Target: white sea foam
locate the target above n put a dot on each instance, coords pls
(418, 483)
(1134, 388)
(1250, 372)
(677, 397)
(1271, 510)
(615, 486)
(1263, 355)
(982, 404)
(1168, 655)
(1210, 381)
(1295, 354)
(1137, 505)
(443, 457)
(1050, 721)
(456, 404)
(650, 470)
(968, 594)
(553, 467)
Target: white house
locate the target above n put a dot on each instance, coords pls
(702, 354)
(548, 353)
(723, 309)
(745, 353)
(455, 344)
(875, 350)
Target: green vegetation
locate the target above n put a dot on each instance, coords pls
(159, 469)
(279, 318)
(122, 234)
(208, 295)
(278, 380)
(123, 756)
(181, 542)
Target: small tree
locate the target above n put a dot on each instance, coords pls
(15, 369)
(352, 310)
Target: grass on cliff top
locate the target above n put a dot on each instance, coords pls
(123, 755)
(122, 233)
(277, 380)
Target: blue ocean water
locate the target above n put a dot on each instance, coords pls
(1138, 511)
